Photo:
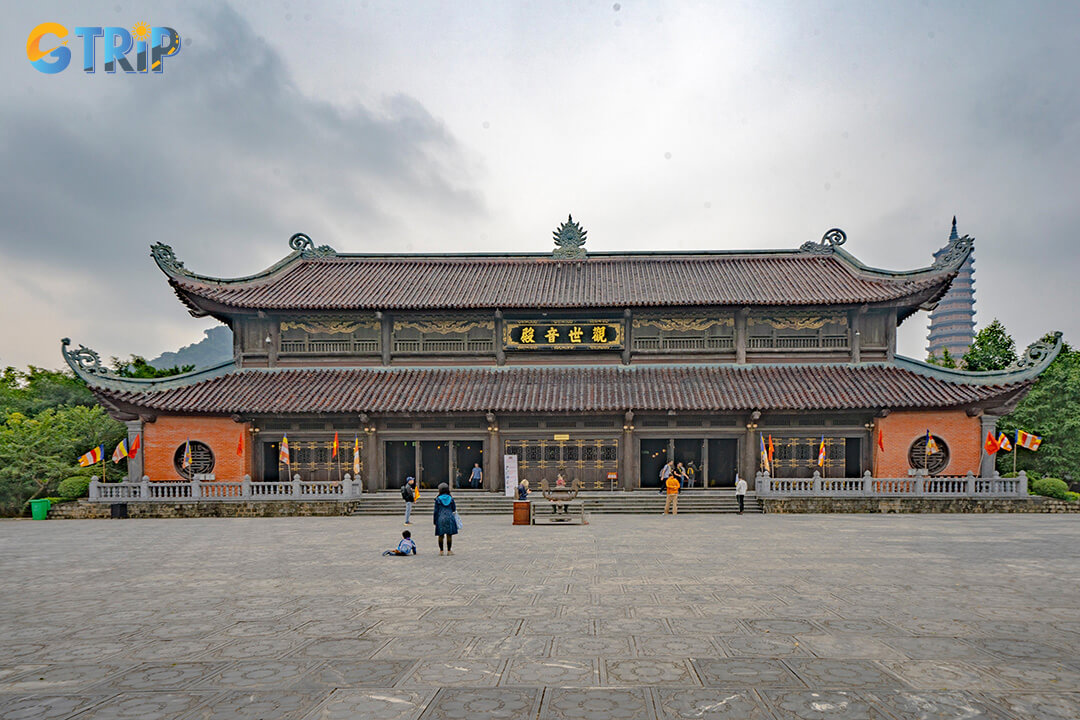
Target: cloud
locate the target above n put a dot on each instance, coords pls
(222, 156)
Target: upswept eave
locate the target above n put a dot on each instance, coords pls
(86, 364)
(1033, 363)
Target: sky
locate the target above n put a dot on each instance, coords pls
(386, 126)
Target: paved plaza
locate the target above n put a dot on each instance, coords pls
(631, 617)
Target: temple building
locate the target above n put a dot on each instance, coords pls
(952, 322)
(598, 365)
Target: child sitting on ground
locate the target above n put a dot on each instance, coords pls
(405, 547)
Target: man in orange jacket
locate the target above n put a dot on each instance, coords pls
(672, 503)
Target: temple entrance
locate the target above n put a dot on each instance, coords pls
(723, 462)
(400, 462)
(654, 455)
(434, 463)
(589, 460)
(270, 462)
(467, 453)
(689, 452)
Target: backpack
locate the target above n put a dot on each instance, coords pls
(406, 494)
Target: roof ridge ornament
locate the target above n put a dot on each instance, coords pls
(303, 244)
(166, 259)
(832, 239)
(570, 240)
(954, 254)
(84, 358)
(1036, 353)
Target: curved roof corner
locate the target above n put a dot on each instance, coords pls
(86, 364)
(1036, 358)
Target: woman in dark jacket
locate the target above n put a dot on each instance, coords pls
(445, 524)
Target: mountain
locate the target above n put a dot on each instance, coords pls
(216, 347)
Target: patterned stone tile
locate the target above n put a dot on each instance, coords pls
(614, 704)
(455, 673)
(70, 652)
(768, 646)
(159, 676)
(676, 646)
(556, 626)
(858, 626)
(418, 647)
(1011, 649)
(830, 674)
(551, 672)
(647, 671)
(1039, 675)
(336, 628)
(261, 705)
(357, 673)
(706, 626)
(513, 646)
(411, 628)
(381, 704)
(849, 646)
(60, 679)
(262, 648)
(783, 627)
(156, 650)
(615, 627)
(474, 703)
(147, 706)
(45, 706)
(256, 675)
(709, 704)
(478, 626)
(1042, 706)
(823, 705)
(354, 648)
(936, 648)
(742, 673)
(933, 705)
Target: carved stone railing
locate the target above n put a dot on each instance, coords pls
(919, 484)
(223, 490)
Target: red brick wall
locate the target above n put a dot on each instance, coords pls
(901, 428)
(162, 437)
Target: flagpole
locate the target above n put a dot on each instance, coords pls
(103, 464)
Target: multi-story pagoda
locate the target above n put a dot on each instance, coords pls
(598, 365)
(952, 322)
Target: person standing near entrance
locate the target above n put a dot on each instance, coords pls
(445, 522)
(740, 492)
(691, 474)
(672, 502)
(408, 494)
(681, 476)
(477, 478)
(665, 472)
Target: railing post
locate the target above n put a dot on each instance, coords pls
(1022, 491)
(868, 483)
(144, 487)
(245, 487)
(346, 486)
(194, 489)
(817, 483)
(94, 489)
(969, 486)
(920, 485)
(762, 486)
(296, 489)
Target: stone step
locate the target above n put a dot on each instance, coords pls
(643, 502)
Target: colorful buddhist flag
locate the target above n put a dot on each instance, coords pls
(120, 452)
(764, 454)
(356, 455)
(187, 454)
(283, 453)
(821, 453)
(134, 449)
(334, 454)
(931, 446)
(93, 457)
(1004, 443)
(1027, 440)
(991, 445)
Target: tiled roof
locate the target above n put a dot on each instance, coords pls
(563, 389)
(413, 283)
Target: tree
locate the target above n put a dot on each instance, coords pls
(137, 367)
(1051, 410)
(993, 349)
(35, 389)
(946, 360)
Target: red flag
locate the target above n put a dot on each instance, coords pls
(334, 454)
(991, 445)
(134, 449)
(771, 450)
(881, 440)
(240, 445)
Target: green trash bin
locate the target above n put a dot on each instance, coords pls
(40, 508)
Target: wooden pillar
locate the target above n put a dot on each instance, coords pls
(628, 478)
(493, 456)
(273, 331)
(740, 335)
(987, 424)
(748, 464)
(500, 347)
(387, 330)
(890, 336)
(628, 328)
(855, 333)
(705, 463)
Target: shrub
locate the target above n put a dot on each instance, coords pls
(1072, 497)
(74, 487)
(1050, 487)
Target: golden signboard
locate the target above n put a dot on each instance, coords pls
(563, 335)
(562, 436)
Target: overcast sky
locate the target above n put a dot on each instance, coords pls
(448, 126)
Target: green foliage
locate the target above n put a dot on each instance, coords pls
(37, 452)
(1051, 410)
(30, 391)
(76, 486)
(137, 367)
(946, 360)
(1050, 487)
(993, 349)
(1072, 497)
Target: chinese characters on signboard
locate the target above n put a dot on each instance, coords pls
(563, 335)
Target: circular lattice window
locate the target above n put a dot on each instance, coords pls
(934, 462)
(202, 459)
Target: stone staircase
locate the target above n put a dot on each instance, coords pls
(478, 502)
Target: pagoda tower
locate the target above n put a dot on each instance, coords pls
(952, 322)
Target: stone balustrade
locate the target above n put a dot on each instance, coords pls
(919, 484)
(199, 489)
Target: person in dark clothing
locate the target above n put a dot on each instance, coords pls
(445, 522)
(408, 494)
